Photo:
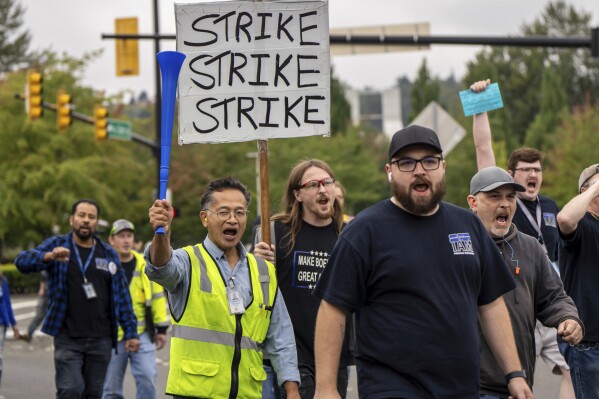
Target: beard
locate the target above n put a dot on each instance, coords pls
(84, 236)
(420, 205)
(327, 214)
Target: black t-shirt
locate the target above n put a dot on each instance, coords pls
(297, 274)
(88, 317)
(579, 270)
(549, 211)
(415, 283)
(129, 269)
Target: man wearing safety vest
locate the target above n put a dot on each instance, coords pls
(149, 306)
(224, 302)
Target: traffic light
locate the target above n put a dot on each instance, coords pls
(63, 110)
(34, 101)
(101, 122)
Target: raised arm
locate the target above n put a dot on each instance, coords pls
(161, 214)
(574, 210)
(481, 131)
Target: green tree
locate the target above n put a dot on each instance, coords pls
(43, 172)
(574, 151)
(552, 103)
(14, 40)
(425, 89)
(520, 73)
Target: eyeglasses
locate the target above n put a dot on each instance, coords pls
(528, 170)
(240, 214)
(409, 164)
(312, 185)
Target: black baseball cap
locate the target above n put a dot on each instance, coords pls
(414, 135)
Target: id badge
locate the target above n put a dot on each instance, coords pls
(235, 301)
(90, 292)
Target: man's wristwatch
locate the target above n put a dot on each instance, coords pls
(515, 374)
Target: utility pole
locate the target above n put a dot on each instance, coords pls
(157, 105)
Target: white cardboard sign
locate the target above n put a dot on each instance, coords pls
(253, 70)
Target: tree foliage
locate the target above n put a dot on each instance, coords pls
(43, 172)
(14, 40)
(525, 74)
(425, 89)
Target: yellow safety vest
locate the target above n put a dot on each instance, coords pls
(215, 354)
(145, 295)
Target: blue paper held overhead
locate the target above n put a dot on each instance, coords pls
(476, 103)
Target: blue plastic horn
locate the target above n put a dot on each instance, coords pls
(170, 65)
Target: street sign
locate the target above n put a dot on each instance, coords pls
(119, 130)
(434, 117)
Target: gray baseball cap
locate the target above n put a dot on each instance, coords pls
(490, 178)
(120, 225)
(587, 174)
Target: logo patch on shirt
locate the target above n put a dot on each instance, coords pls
(549, 219)
(102, 264)
(461, 244)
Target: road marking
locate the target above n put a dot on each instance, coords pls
(24, 304)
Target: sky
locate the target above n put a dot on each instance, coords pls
(75, 27)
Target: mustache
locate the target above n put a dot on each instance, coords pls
(421, 180)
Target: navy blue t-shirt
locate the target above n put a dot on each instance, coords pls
(579, 271)
(415, 283)
(549, 211)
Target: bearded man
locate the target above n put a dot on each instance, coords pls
(418, 273)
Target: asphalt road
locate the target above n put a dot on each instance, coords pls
(29, 368)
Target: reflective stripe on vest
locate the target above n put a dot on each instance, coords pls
(212, 337)
(205, 284)
(263, 277)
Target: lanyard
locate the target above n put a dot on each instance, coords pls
(537, 225)
(89, 258)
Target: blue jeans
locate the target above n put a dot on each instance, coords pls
(583, 360)
(489, 397)
(143, 368)
(270, 386)
(80, 365)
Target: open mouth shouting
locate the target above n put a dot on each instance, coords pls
(421, 187)
(230, 233)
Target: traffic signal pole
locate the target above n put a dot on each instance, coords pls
(138, 138)
(591, 42)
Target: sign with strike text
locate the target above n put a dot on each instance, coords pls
(253, 70)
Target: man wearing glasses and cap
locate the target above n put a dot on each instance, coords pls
(419, 273)
(578, 225)
(539, 293)
(149, 306)
(225, 304)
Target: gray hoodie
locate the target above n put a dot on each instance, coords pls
(539, 295)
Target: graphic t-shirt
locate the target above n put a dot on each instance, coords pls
(297, 274)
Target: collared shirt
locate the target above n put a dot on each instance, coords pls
(33, 261)
(174, 277)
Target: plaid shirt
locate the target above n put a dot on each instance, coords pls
(33, 261)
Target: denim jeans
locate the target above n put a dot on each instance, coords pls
(80, 365)
(3, 329)
(489, 397)
(143, 368)
(583, 360)
(270, 386)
